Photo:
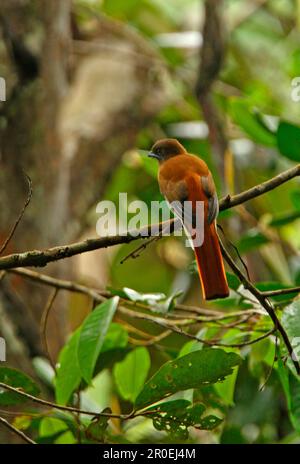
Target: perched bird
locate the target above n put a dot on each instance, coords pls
(184, 177)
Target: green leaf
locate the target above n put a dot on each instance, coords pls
(50, 426)
(194, 370)
(68, 374)
(291, 388)
(288, 140)
(92, 335)
(131, 373)
(16, 379)
(175, 417)
(53, 430)
(116, 337)
(274, 285)
(284, 219)
(251, 239)
(22, 422)
(97, 428)
(245, 118)
(295, 199)
(150, 167)
(291, 322)
(226, 389)
(233, 281)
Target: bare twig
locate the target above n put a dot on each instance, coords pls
(49, 404)
(18, 432)
(10, 235)
(203, 314)
(281, 291)
(44, 321)
(260, 189)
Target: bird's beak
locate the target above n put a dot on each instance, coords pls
(153, 155)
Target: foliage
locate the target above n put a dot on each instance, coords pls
(151, 362)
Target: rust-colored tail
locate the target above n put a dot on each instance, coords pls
(210, 266)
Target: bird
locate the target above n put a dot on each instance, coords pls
(185, 177)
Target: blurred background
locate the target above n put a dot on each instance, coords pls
(89, 83)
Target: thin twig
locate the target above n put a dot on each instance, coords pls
(16, 431)
(153, 340)
(49, 404)
(28, 199)
(43, 326)
(281, 291)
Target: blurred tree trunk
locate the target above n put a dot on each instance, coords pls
(77, 104)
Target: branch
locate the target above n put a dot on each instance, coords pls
(260, 189)
(99, 295)
(264, 303)
(16, 431)
(35, 399)
(10, 235)
(43, 326)
(40, 258)
(281, 291)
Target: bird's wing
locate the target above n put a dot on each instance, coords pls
(192, 188)
(209, 188)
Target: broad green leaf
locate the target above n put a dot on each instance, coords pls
(226, 389)
(16, 379)
(194, 370)
(131, 373)
(295, 199)
(92, 335)
(288, 140)
(116, 337)
(291, 322)
(295, 401)
(22, 422)
(291, 388)
(53, 430)
(51, 425)
(175, 417)
(193, 345)
(251, 239)
(285, 218)
(68, 374)
(190, 347)
(150, 167)
(245, 118)
(232, 280)
(274, 285)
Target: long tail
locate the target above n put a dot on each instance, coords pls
(210, 266)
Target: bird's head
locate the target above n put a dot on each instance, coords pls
(165, 149)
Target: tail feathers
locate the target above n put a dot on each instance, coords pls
(210, 266)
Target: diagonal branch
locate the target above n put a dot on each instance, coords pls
(265, 304)
(16, 431)
(28, 199)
